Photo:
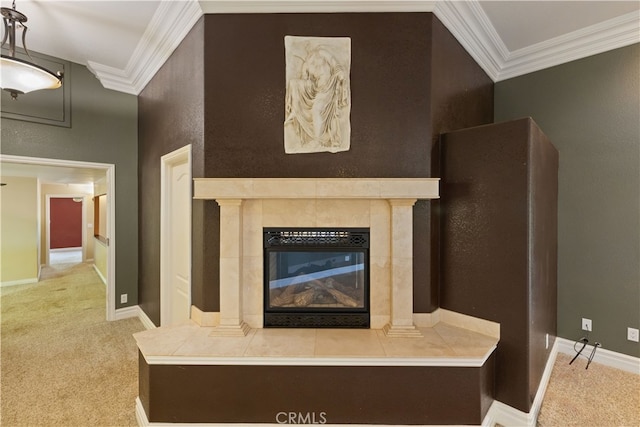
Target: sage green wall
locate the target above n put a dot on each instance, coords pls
(104, 129)
(590, 109)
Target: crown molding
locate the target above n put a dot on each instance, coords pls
(316, 6)
(168, 27)
(612, 34)
(466, 20)
(470, 25)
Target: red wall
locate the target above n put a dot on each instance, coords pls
(66, 223)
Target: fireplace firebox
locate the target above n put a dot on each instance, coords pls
(316, 278)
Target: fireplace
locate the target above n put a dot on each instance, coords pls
(316, 277)
(249, 206)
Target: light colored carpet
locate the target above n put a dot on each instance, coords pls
(62, 363)
(596, 397)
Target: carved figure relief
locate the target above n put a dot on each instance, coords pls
(318, 94)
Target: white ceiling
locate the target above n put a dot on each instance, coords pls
(125, 42)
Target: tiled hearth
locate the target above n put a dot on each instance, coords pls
(188, 375)
(443, 344)
(408, 368)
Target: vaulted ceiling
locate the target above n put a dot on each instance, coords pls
(124, 43)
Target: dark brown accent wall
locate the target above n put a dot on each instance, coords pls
(392, 114)
(392, 395)
(499, 234)
(461, 94)
(170, 116)
(223, 91)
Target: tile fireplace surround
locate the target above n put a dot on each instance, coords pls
(384, 205)
(207, 370)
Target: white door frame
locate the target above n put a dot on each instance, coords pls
(47, 219)
(166, 163)
(109, 170)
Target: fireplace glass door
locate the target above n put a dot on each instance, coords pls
(316, 278)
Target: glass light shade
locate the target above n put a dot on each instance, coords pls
(21, 76)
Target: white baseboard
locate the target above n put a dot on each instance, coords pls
(505, 415)
(127, 312)
(75, 249)
(19, 282)
(603, 356)
(104, 279)
(135, 311)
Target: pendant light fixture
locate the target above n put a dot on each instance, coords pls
(19, 76)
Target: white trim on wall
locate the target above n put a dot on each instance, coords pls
(505, 415)
(104, 279)
(18, 282)
(167, 162)
(109, 170)
(135, 311)
(603, 356)
(466, 20)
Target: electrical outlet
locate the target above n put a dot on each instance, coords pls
(586, 324)
(632, 334)
(123, 299)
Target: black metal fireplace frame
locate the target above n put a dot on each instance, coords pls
(306, 239)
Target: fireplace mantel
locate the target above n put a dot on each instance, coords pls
(316, 188)
(247, 205)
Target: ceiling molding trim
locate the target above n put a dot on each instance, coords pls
(316, 6)
(602, 37)
(169, 25)
(112, 78)
(469, 24)
(466, 20)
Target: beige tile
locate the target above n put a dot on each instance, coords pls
(348, 188)
(402, 231)
(289, 213)
(342, 213)
(202, 344)
(222, 188)
(430, 345)
(348, 342)
(284, 188)
(252, 286)
(463, 342)
(419, 188)
(230, 231)
(282, 343)
(165, 340)
(379, 285)
(482, 326)
(380, 233)
(379, 321)
(252, 228)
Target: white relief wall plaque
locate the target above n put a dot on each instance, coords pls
(318, 94)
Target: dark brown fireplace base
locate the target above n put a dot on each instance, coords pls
(398, 395)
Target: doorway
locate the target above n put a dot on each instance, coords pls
(56, 170)
(65, 229)
(175, 237)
